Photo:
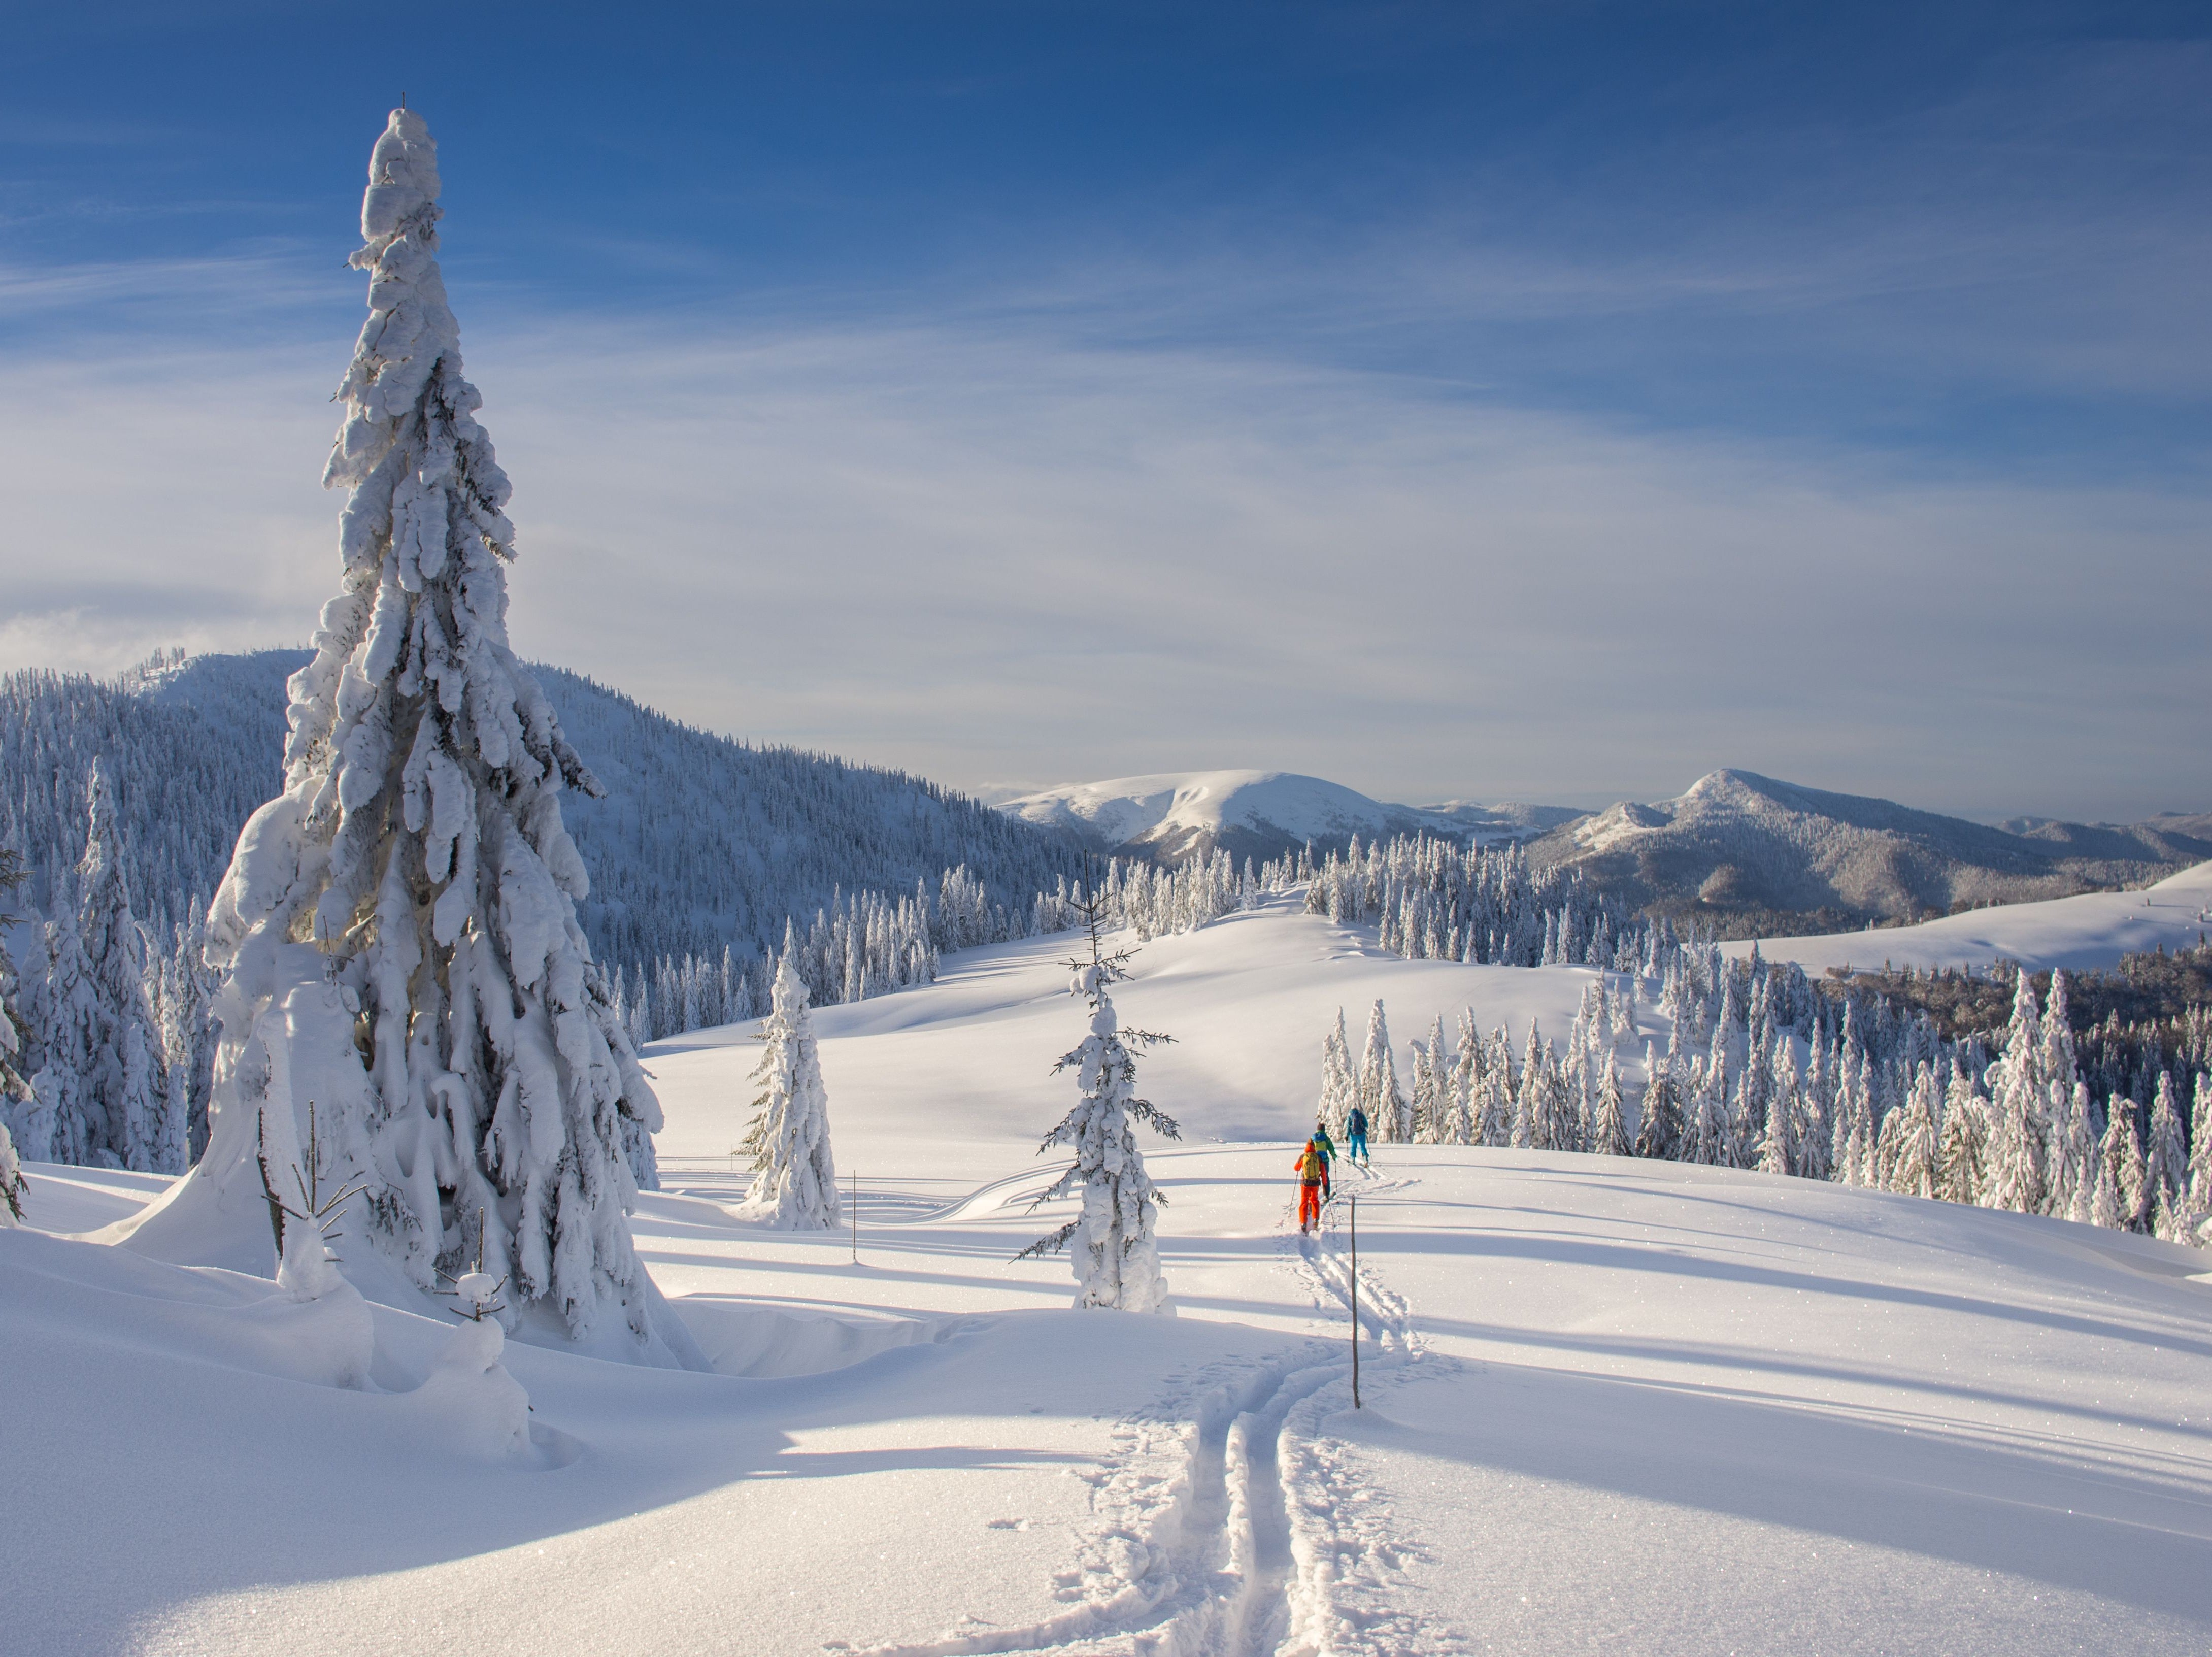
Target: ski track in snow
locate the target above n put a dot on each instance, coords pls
(1231, 1524)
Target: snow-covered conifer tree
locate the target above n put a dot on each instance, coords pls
(1494, 1125)
(399, 926)
(1116, 1250)
(2166, 1158)
(1912, 1164)
(15, 1083)
(1339, 1088)
(1464, 1085)
(1608, 1133)
(1704, 1128)
(103, 1083)
(1379, 1094)
(1961, 1145)
(2200, 1147)
(795, 1177)
(2073, 1168)
(1659, 1117)
(2121, 1157)
(2020, 1145)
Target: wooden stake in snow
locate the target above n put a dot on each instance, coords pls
(856, 1216)
(1355, 1302)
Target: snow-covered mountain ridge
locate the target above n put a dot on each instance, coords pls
(1174, 816)
(1737, 848)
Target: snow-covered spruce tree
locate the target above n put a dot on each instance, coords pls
(2122, 1158)
(1608, 1133)
(104, 1083)
(1432, 1092)
(1339, 1088)
(1379, 1093)
(1705, 1127)
(2019, 1138)
(2074, 1155)
(398, 927)
(14, 1084)
(1912, 1166)
(1659, 1117)
(795, 1177)
(1960, 1147)
(184, 1006)
(2166, 1158)
(1113, 1243)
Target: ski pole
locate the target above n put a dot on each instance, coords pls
(1355, 1300)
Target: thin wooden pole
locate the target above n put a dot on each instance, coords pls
(1355, 1300)
(856, 1216)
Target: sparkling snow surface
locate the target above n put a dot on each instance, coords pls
(2093, 929)
(1610, 1405)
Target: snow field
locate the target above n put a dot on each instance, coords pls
(2091, 931)
(1647, 1406)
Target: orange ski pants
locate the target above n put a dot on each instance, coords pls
(1309, 1202)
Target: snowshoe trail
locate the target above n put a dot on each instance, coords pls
(1225, 1523)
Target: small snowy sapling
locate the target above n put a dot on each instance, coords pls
(1115, 1252)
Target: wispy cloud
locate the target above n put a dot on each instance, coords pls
(990, 552)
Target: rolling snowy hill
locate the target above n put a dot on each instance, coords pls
(1642, 1407)
(2080, 934)
(1738, 850)
(1180, 815)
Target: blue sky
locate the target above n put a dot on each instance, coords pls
(1470, 400)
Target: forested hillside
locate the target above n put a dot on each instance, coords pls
(701, 843)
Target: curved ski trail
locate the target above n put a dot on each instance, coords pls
(1224, 1535)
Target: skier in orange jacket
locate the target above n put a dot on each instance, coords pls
(1313, 1168)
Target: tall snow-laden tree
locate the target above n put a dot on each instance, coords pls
(103, 1083)
(795, 1177)
(2200, 1147)
(2122, 1158)
(1463, 1087)
(398, 928)
(1912, 1164)
(1432, 1100)
(1659, 1116)
(1960, 1147)
(1704, 1128)
(1113, 1242)
(1379, 1096)
(1339, 1088)
(2166, 1158)
(1608, 1133)
(14, 1087)
(2020, 1139)
(2073, 1158)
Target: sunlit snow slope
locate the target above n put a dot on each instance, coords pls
(1636, 1407)
(2093, 929)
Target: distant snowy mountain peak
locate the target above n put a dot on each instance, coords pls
(1169, 813)
(1742, 851)
(1176, 815)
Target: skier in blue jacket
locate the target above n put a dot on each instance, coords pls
(1355, 1137)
